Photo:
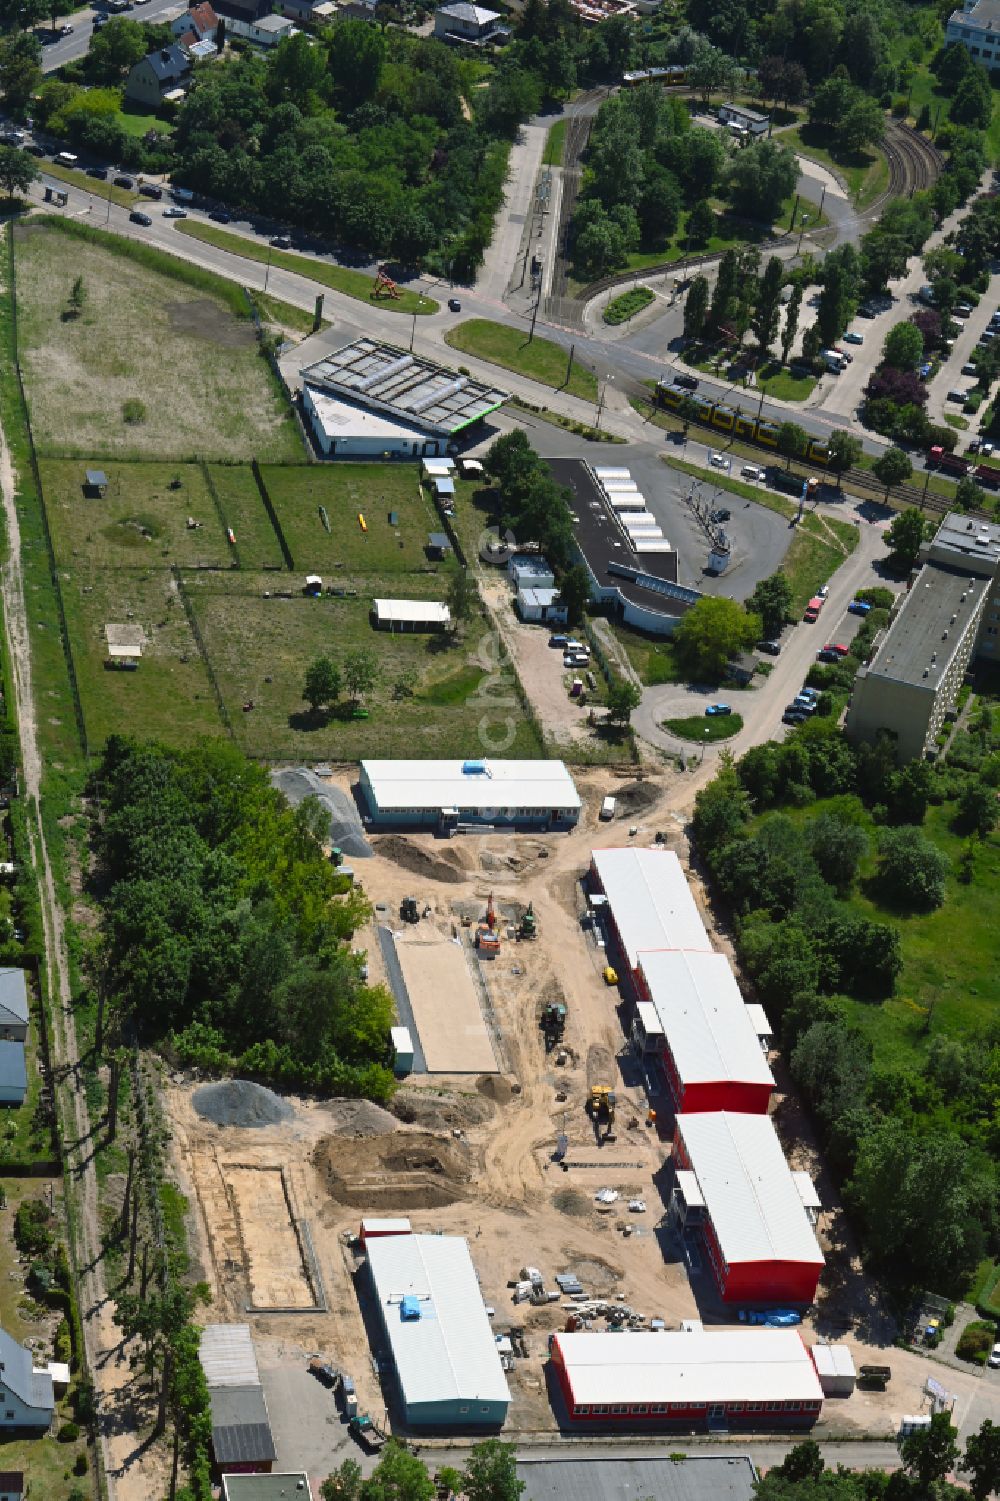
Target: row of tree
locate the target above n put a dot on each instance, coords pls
(927, 1458)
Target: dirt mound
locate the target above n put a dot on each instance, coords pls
(494, 1087)
(418, 1107)
(238, 1102)
(597, 1276)
(360, 1118)
(404, 1170)
(411, 857)
(636, 797)
(572, 1201)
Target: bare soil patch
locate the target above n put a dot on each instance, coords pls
(202, 318)
(495, 1087)
(411, 857)
(638, 797)
(417, 1107)
(359, 1118)
(405, 1170)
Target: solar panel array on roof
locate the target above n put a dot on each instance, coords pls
(407, 385)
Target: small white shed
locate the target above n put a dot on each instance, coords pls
(402, 1050)
(835, 1369)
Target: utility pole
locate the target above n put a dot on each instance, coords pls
(569, 367)
(267, 273)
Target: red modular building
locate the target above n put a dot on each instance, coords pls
(376, 1229)
(692, 1378)
(735, 1188)
(649, 902)
(692, 1019)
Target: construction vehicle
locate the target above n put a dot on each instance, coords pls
(384, 286)
(488, 932)
(601, 1103)
(362, 1428)
(553, 1024)
(528, 927)
(408, 910)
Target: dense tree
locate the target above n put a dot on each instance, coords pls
(710, 633)
(768, 308)
(760, 178)
(969, 496)
(903, 347)
(344, 1484)
(623, 697)
(322, 683)
(398, 1476)
(977, 809)
(845, 452)
(696, 308)
(793, 441)
(772, 601)
(911, 870)
(906, 535)
(463, 596)
(981, 1461)
(700, 224)
(361, 671)
(725, 294)
(840, 277)
(838, 847)
(892, 468)
(491, 1472)
(721, 810)
(951, 66)
(115, 49)
(930, 1453)
(791, 323)
(574, 592)
(20, 70)
(973, 101)
(17, 170)
(356, 56)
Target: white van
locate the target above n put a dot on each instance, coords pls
(67, 159)
(608, 809)
(834, 362)
(752, 471)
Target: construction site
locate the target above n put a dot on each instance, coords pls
(531, 1126)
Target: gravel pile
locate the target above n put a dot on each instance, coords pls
(237, 1102)
(360, 1118)
(346, 828)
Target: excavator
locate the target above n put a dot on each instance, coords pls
(553, 1024)
(488, 932)
(601, 1109)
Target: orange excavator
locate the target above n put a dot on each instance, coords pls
(488, 932)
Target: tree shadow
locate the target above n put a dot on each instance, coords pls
(308, 721)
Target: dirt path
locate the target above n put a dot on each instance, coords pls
(118, 1407)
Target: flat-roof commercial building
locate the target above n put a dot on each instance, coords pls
(241, 1428)
(633, 573)
(706, 1042)
(692, 1378)
(293, 1486)
(735, 1187)
(950, 617)
(444, 1354)
(374, 399)
(649, 900)
(13, 1005)
(702, 1477)
(449, 795)
(748, 120)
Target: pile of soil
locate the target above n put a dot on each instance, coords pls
(238, 1102)
(359, 1118)
(572, 1201)
(420, 1107)
(636, 797)
(495, 1087)
(404, 1170)
(447, 868)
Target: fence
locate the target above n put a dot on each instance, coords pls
(37, 480)
(199, 641)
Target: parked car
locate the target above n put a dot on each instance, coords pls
(175, 213)
(220, 216)
(969, 370)
(138, 217)
(753, 471)
(34, 149)
(559, 640)
(793, 716)
(811, 694)
(576, 659)
(858, 607)
(986, 449)
(993, 1359)
(826, 655)
(280, 242)
(713, 709)
(121, 181)
(962, 310)
(99, 172)
(66, 30)
(823, 591)
(837, 647)
(958, 396)
(150, 190)
(973, 446)
(853, 338)
(719, 461)
(803, 705)
(454, 306)
(610, 975)
(772, 648)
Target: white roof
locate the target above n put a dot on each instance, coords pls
(833, 1360)
(704, 1020)
(759, 1020)
(400, 611)
(227, 1355)
(627, 500)
(449, 1352)
(603, 473)
(649, 1019)
(651, 901)
(806, 1189)
(687, 1182)
(619, 486)
(689, 1366)
(463, 11)
(342, 419)
(438, 468)
(651, 544)
(371, 1225)
(543, 598)
(748, 1188)
(639, 521)
(401, 1040)
(471, 784)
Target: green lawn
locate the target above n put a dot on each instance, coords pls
(652, 658)
(137, 122)
(555, 144)
(628, 304)
(953, 420)
(866, 172)
(356, 284)
(540, 360)
(704, 728)
(345, 492)
(784, 386)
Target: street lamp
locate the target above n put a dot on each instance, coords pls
(703, 744)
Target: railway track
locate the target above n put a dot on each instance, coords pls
(914, 164)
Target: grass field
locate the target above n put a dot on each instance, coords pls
(75, 178)
(555, 144)
(205, 389)
(137, 122)
(539, 360)
(346, 491)
(650, 656)
(866, 172)
(355, 284)
(784, 386)
(251, 639)
(704, 728)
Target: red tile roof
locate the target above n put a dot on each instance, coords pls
(203, 18)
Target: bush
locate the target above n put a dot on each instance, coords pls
(976, 1341)
(68, 1433)
(80, 1465)
(133, 411)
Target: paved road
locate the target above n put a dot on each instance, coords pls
(68, 48)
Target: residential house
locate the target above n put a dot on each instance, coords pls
(26, 1396)
(977, 27)
(541, 606)
(13, 1005)
(13, 1073)
(199, 24)
(11, 1485)
(158, 74)
(469, 24)
(254, 21)
(309, 10)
